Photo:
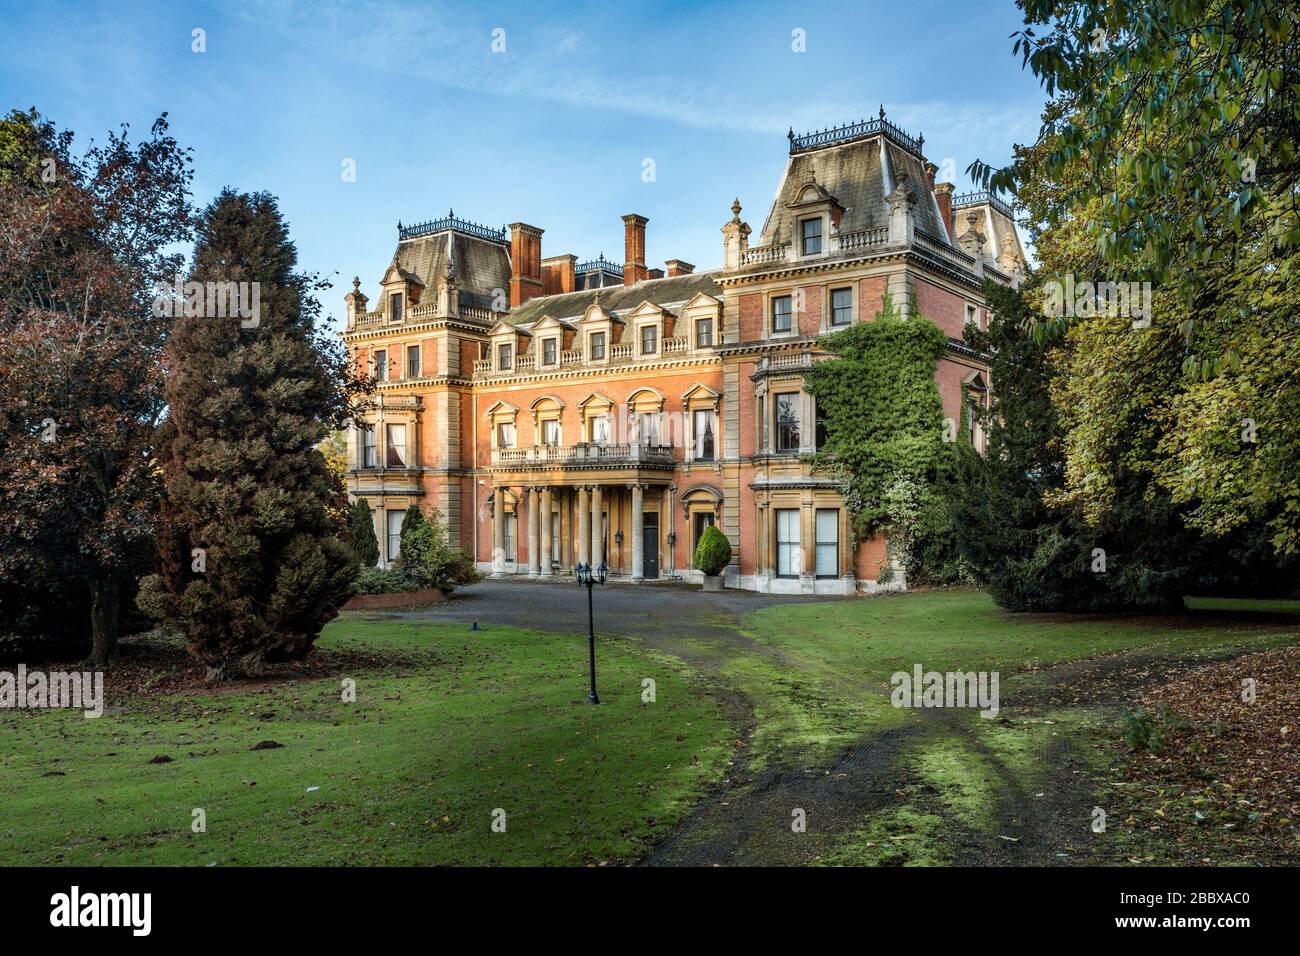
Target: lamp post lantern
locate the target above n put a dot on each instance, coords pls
(588, 577)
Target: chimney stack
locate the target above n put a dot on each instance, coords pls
(560, 274)
(679, 267)
(943, 195)
(634, 267)
(525, 263)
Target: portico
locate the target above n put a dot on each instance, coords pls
(625, 522)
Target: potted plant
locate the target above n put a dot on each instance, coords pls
(712, 554)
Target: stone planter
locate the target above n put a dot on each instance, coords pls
(366, 602)
(713, 582)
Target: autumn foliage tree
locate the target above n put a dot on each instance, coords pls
(83, 240)
(255, 558)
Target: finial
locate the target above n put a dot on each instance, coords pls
(356, 283)
(790, 135)
(882, 110)
(451, 213)
(399, 225)
(920, 141)
(735, 208)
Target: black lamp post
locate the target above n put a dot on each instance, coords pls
(589, 577)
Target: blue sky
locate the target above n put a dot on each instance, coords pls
(553, 131)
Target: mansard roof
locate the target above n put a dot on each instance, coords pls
(481, 266)
(572, 305)
(859, 174)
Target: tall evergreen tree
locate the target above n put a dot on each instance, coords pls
(361, 527)
(254, 562)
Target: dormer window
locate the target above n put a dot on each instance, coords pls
(550, 351)
(597, 346)
(649, 339)
(704, 333)
(505, 357)
(395, 307)
(811, 236)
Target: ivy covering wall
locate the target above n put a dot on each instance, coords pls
(883, 436)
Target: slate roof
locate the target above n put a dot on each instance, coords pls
(481, 266)
(571, 305)
(853, 173)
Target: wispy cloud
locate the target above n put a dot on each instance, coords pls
(441, 48)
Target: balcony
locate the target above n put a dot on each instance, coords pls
(586, 455)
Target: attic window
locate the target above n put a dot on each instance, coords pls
(505, 358)
(597, 345)
(395, 307)
(811, 230)
(550, 351)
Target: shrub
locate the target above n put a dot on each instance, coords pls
(384, 581)
(428, 561)
(1147, 730)
(713, 553)
(151, 598)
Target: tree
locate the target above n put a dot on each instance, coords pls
(413, 518)
(1032, 546)
(253, 561)
(361, 529)
(83, 241)
(1168, 156)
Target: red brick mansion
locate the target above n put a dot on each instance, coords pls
(556, 411)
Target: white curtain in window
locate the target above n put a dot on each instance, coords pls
(394, 519)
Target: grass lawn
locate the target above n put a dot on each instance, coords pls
(451, 725)
(411, 773)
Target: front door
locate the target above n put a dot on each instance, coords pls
(650, 544)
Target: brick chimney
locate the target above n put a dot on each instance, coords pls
(679, 267)
(943, 195)
(525, 263)
(560, 274)
(634, 268)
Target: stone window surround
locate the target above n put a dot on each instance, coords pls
(502, 413)
(546, 408)
(765, 423)
(700, 397)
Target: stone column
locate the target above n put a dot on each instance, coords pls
(544, 535)
(498, 532)
(597, 539)
(638, 532)
(565, 497)
(807, 547)
(584, 525)
(533, 510)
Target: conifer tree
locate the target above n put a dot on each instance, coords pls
(365, 546)
(254, 560)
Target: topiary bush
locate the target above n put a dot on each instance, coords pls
(713, 553)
